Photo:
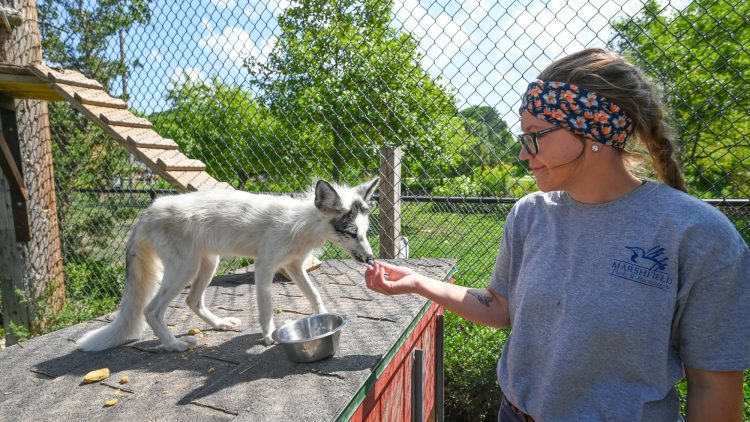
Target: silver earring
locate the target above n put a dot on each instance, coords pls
(595, 148)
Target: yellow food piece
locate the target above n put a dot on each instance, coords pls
(124, 380)
(110, 403)
(194, 331)
(97, 375)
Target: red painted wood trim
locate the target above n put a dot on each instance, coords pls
(390, 398)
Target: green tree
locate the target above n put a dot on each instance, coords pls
(493, 143)
(237, 138)
(340, 67)
(75, 35)
(700, 55)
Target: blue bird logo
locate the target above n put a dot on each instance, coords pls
(653, 255)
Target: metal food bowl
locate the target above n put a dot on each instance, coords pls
(311, 338)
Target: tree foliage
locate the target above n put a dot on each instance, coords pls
(700, 54)
(75, 35)
(237, 138)
(491, 142)
(339, 66)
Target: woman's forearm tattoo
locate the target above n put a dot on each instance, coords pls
(482, 298)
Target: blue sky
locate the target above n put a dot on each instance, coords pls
(486, 52)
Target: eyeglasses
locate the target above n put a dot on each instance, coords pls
(530, 140)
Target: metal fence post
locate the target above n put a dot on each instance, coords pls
(440, 368)
(390, 202)
(417, 385)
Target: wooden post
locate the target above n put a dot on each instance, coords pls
(31, 272)
(390, 202)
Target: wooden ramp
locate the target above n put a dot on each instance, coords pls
(134, 133)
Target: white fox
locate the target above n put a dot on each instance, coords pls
(180, 238)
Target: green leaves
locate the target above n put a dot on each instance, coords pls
(237, 138)
(75, 34)
(700, 55)
(340, 67)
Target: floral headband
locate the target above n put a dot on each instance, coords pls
(584, 112)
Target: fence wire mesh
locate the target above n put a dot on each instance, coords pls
(274, 95)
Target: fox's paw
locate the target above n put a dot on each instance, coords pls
(267, 340)
(228, 323)
(177, 345)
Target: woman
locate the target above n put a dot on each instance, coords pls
(615, 287)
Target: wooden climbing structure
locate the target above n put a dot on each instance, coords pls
(134, 133)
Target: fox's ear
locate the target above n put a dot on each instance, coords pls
(327, 199)
(367, 189)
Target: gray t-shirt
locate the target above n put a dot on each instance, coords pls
(608, 301)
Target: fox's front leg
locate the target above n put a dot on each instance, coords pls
(302, 280)
(263, 280)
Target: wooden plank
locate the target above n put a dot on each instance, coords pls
(390, 202)
(152, 142)
(97, 97)
(180, 162)
(174, 181)
(124, 118)
(142, 138)
(10, 161)
(393, 400)
(211, 183)
(149, 157)
(196, 180)
(118, 117)
(65, 76)
(223, 185)
(27, 87)
(199, 181)
(81, 96)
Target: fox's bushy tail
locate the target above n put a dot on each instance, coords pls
(143, 270)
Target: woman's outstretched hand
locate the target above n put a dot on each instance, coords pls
(390, 279)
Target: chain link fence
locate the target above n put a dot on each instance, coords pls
(273, 95)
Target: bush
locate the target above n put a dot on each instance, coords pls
(471, 355)
(93, 288)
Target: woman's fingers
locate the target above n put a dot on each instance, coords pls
(376, 277)
(371, 277)
(368, 276)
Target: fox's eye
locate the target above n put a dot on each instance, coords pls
(353, 235)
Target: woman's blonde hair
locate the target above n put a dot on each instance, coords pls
(614, 77)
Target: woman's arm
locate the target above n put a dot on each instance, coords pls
(713, 396)
(482, 306)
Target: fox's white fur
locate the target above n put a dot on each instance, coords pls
(179, 240)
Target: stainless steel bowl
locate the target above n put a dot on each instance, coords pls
(311, 338)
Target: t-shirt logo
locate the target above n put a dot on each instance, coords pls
(651, 256)
(644, 266)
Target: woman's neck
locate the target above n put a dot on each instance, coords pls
(604, 182)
